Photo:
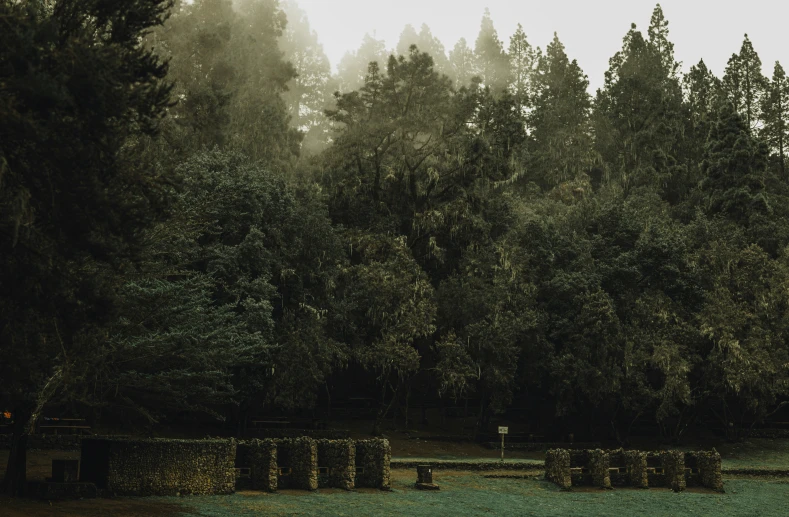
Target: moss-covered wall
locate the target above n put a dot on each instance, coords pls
(674, 469)
(598, 467)
(636, 465)
(159, 467)
(300, 455)
(641, 469)
(703, 468)
(338, 458)
(262, 462)
(557, 467)
(373, 458)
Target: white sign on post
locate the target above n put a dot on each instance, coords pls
(502, 432)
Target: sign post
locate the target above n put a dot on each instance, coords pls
(502, 432)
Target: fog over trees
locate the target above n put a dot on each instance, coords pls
(198, 216)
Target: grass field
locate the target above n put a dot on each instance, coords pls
(462, 494)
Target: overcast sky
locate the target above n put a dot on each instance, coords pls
(591, 31)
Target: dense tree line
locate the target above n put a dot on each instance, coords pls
(192, 220)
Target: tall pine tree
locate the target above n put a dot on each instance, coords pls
(638, 114)
(523, 59)
(775, 111)
(559, 122)
(461, 63)
(492, 63)
(745, 83)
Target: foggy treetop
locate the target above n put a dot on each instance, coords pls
(591, 31)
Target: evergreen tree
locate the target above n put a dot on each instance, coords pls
(735, 169)
(658, 38)
(638, 118)
(492, 63)
(78, 83)
(745, 84)
(775, 111)
(353, 67)
(260, 124)
(702, 93)
(523, 60)
(560, 120)
(230, 75)
(309, 92)
(425, 42)
(461, 63)
(408, 37)
(430, 44)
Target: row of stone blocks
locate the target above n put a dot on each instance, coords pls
(608, 468)
(308, 464)
(180, 467)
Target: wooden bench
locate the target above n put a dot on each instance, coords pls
(257, 423)
(75, 429)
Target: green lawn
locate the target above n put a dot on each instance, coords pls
(756, 453)
(467, 494)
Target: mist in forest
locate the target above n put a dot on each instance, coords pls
(204, 218)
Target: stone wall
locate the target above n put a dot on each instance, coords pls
(262, 461)
(579, 467)
(598, 467)
(674, 469)
(557, 467)
(705, 469)
(373, 458)
(159, 467)
(640, 469)
(300, 456)
(636, 465)
(338, 458)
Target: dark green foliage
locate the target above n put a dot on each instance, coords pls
(523, 60)
(738, 184)
(638, 116)
(473, 224)
(353, 68)
(492, 62)
(309, 93)
(230, 75)
(561, 147)
(76, 84)
(744, 83)
(461, 63)
(775, 111)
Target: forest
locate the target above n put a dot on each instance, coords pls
(199, 216)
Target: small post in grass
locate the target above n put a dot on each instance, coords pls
(502, 432)
(424, 478)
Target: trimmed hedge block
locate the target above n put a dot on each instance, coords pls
(598, 466)
(636, 464)
(159, 467)
(297, 460)
(557, 467)
(373, 458)
(634, 468)
(338, 458)
(674, 469)
(705, 469)
(262, 461)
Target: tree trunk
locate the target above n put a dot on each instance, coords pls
(328, 401)
(16, 469)
(407, 398)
